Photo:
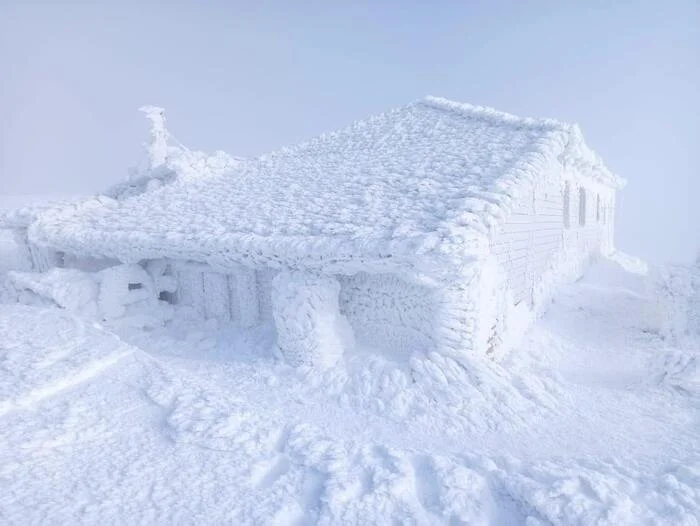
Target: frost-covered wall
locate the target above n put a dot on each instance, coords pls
(385, 312)
(29, 256)
(462, 321)
(557, 224)
(230, 296)
(310, 327)
(531, 237)
(388, 313)
(263, 286)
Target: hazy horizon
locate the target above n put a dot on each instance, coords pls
(250, 79)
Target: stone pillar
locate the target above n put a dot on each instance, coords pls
(310, 328)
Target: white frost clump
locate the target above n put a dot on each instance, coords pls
(168, 162)
(70, 289)
(310, 328)
(123, 294)
(674, 293)
(671, 290)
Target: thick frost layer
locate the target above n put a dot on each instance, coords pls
(18, 212)
(310, 328)
(676, 291)
(427, 179)
(675, 314)
(124, 295)
(181, 164)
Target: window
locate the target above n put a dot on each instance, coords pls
(167, 296)
(582, 207)
(135, 286)
(567, 205)
(597, 208)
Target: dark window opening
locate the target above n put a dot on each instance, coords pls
(167, 296)
(567, 205)
(582, 207)
(135, 286)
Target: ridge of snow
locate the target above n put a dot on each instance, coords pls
(576, 152)
(487, 113)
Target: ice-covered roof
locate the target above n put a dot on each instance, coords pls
(20, 211)
(181, 164)
(427, 179)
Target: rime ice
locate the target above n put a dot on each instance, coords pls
(479, 213)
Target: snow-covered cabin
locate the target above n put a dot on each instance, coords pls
(436, 226)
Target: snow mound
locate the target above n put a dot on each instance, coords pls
(122, 295)
(470, 394)
(43, 351)
(675, 312)
(296, 471)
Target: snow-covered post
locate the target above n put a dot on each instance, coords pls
(310, 328)
(158, 148)
(23, 249)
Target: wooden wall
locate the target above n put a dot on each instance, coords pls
(537, 236)
(225, 296)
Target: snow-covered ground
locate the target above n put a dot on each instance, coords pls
(190, 425)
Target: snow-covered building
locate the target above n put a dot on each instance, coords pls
(437, 226)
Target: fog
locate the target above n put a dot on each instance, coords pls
(248, 79)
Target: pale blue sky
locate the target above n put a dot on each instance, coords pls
(247, 79)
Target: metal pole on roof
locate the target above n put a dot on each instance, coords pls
(158, 147)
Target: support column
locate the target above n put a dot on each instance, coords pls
(310, 328)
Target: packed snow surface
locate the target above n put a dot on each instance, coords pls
(425, 179)
(46, 350)
(204, 426)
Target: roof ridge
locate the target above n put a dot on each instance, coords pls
(488, 113)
